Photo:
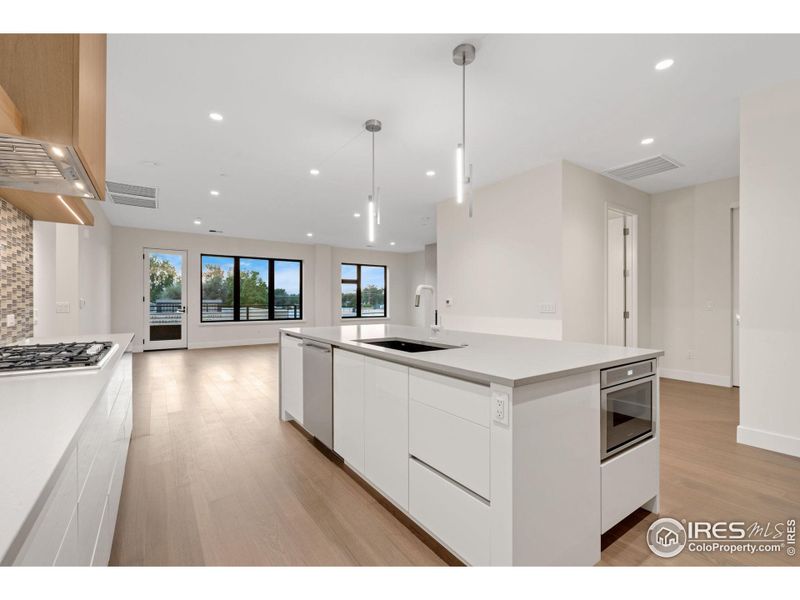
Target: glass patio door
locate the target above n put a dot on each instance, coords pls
(164, 299)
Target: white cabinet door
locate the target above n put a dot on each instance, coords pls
(348, 407)
(386, 428)
(292, 377)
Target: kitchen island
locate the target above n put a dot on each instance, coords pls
(494, 445)
(63, 445)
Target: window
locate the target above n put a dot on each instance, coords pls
(241, 288)
(363, 291)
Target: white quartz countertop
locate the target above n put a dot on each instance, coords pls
(40, 416)
(484, 358)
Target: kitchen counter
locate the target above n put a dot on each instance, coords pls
(494, 447)
(505, 360)
(41, 416)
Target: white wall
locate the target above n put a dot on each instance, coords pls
(586, 196)
(72, 264)
(538, 238)
(769, 407)
(94, 274)
(691, 280)
(321, 290)
(416, 276)
(498, 266)
(422, 269)
(67, 278)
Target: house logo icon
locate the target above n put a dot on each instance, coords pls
(666, 537)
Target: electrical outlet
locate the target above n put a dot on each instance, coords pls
(691, 355)
(500, 404)
(547, 307)
(11, 320)
(62, 307)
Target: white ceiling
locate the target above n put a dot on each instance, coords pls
(293, 102)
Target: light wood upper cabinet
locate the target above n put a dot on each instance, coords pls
(10, 117)
(57, 84)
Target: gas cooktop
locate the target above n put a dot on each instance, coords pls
(35, 358)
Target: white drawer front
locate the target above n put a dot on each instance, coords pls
(102, 550)
(455, 446)
(68, 553)
(628, 481)
(42, 543)
(460, 398)
(456, 517)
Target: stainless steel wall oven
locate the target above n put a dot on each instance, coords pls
(627, 411)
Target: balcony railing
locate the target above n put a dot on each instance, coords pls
(168, 313)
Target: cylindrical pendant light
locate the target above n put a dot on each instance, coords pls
(463, 55)
(373, 199)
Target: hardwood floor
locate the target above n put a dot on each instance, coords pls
(215, 478)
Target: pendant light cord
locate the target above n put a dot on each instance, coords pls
(373, 165)
(464, 112)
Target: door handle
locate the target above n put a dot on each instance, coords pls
(307, 344)
(738, 319)
(182, 309)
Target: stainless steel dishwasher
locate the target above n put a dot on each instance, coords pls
(318, 391)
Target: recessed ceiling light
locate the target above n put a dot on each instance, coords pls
(314, 171)
(391, 243)
(80, 185)
(430, 173)
(356, 215)
(198, 222)
(215, 116)
(309, 234)
(664, 64)
(214, 193)
(57, 151)
(647, 141)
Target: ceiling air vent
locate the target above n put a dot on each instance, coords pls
(643, 168)
(133, 195)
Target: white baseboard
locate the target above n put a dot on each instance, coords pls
(228, 343)
(696, 377)
(777, 442)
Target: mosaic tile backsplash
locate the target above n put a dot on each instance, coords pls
(16, 273)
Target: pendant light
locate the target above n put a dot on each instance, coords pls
(463, 55)
(373, 199)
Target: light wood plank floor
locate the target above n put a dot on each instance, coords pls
(215, 478)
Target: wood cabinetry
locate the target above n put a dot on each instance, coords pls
(54, 86)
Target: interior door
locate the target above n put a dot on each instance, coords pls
(164, 299)
(735, 300)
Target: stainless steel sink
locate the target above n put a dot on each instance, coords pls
(405, 345)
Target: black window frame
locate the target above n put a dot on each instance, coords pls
(237, 288)
(357, 282)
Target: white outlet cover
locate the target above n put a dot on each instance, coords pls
(11, 320)
(500, 407)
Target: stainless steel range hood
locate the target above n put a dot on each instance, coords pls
(37, 166)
